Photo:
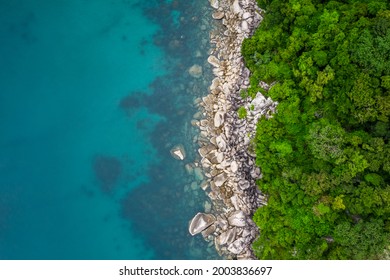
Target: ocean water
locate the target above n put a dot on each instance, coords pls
(93, 95)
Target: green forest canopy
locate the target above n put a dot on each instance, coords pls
(325, 154)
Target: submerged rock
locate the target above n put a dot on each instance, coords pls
(207, 206)
(195, 71)
(189, 168)
(198, 174)
(200, 222)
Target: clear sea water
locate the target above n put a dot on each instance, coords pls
(93, 95)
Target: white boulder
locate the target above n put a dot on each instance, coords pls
(234, 166)
(214, 4)
(237, 219)
(178, 152)
(220, 179)
(219, 118)
(200, 222)
(213, 61)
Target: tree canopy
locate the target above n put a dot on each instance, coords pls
(325, 154)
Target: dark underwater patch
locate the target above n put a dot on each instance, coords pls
(131, 101)
(107, 170)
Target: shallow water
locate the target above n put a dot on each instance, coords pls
(93, 95)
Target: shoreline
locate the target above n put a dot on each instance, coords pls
(224, 139)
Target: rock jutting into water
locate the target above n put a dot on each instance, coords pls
(178, 152)
(226, 157)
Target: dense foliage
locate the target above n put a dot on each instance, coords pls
(325, 154)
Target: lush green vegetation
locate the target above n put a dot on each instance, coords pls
(242, 113)
(325, 154)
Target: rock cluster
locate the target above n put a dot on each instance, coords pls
(227, 161)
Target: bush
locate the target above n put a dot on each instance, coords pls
(242, 113)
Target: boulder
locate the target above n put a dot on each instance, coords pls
(237, 246)
(194, 186)
(220, 179)
(227, 237)
(189, 168)
(244, 26)
(234, 166)
(220, 143)
(245, 255)
(226, 88)
(212, 157)
(195, 71)
(198, 174)
(200, 222)
(219, 118)
(220, 157)
(218, 15)
(208, 231)
(246, 15)
(237, 219)
(214, 4)
(215, 83)
(258, 102)
(234, 201)
(235, 8)
(203, 151)
(205, 163)
(255, 173)
(213, 61)
(222, 223)
(244, 184)
(204, 123)
(178, 152)
(204, 185)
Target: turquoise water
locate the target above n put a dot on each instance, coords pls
(93, 95)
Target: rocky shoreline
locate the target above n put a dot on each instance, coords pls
(226, 158)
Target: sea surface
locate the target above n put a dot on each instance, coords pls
(93, 95)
